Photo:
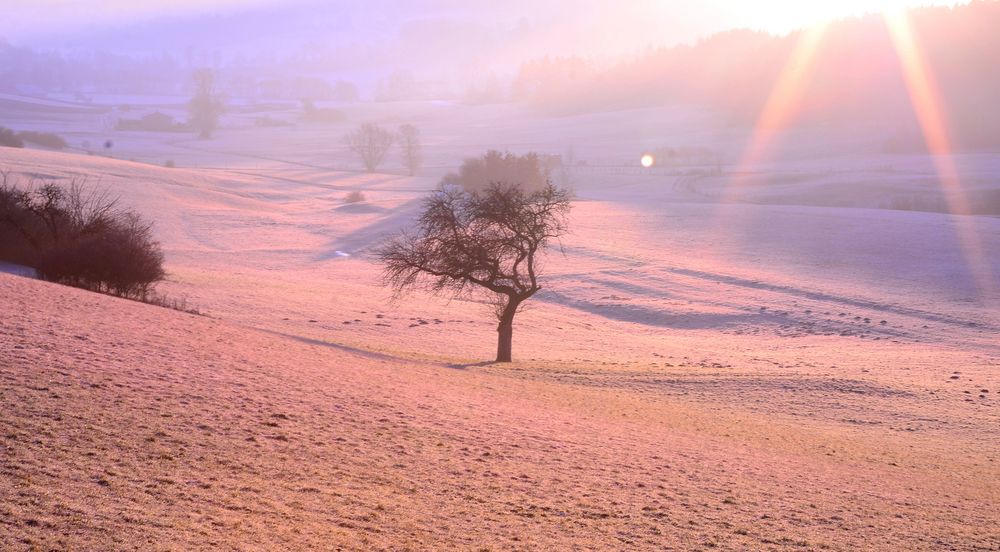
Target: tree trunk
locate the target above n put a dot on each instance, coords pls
(505, 331)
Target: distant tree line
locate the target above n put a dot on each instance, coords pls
(854, 76)
(29, 71)
(205, 108)
(12, 139)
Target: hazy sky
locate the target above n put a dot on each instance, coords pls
(610, 25)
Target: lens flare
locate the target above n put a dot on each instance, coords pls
(925, 97)
(647, 160)
(781, 108)
(785, 100)
(779, 111)
(785, 103)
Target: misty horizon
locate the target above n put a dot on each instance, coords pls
(418, 37)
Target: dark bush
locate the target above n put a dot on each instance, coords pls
(80, 239)
(44, 139)
(479, 173)
(10, 140)
(16, 224)
(354, 197)
(120, 259)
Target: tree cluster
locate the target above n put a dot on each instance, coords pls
(529, 172)
(79, 238)
(10, 139)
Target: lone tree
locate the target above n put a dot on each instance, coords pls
(206, 106)
(370, 142)
(409, 142)
(487, 240)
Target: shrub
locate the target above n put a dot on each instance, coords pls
(120, 258)
(528, 171)
(44, 139)
(175, 303)
(10, 140)
(79, 239)
(354, 197)
(14, 244)
(313, 114)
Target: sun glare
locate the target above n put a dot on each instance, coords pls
(927, 103)
(781, 107)
(647, 160)
(784, 16)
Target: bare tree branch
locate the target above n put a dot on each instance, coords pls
(370, 142)
(487, 239)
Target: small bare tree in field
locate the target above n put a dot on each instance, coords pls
(409, 142)
(206, 106)
(370, 142)
(487, 240)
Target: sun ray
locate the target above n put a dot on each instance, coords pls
(781, 107)
(925, 98)
(785, 100)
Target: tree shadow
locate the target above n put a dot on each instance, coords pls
(467, 365)
(360, 208)
(371, 234)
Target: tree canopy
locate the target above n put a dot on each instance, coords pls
(488, 240)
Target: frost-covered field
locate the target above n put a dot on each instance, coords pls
(794, 367)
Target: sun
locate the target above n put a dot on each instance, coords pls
(647, 160)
